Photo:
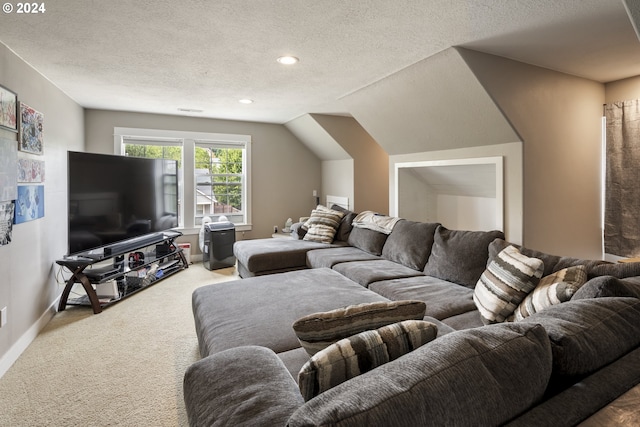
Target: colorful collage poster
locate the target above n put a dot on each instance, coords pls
(31, 137)
(30, 170)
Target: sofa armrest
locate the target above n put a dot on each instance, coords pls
(219, 388)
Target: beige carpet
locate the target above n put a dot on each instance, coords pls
(122, 367)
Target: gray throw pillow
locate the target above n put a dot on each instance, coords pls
(346, 224)
(460, 256)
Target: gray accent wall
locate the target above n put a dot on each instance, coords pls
(28, 286)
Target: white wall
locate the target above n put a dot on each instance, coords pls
(417, 201)
(466, 213)
(337, 179)
(28, 286)
(413, 203)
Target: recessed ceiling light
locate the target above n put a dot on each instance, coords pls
(287, 60)
(246, 101)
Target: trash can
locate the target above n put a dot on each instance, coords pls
(217, 251)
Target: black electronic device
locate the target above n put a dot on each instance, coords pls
(115, 198)
(217, 251)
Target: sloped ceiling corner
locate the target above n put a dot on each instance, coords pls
(435, 104)
(312, 134)
(633, 10)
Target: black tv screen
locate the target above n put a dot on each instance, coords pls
(114, 198)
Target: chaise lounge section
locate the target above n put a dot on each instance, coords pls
(556, 366)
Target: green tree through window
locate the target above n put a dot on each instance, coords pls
(219, 180)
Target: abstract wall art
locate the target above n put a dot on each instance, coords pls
(30, 203)
(31, 136)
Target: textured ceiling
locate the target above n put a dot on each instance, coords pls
(162, 55)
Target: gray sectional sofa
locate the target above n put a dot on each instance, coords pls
(555, 367)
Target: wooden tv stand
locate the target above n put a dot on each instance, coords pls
(129, 271)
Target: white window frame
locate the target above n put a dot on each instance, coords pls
(231, 145)
(189, 140)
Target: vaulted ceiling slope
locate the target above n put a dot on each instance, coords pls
(162, 56)
(444, 106)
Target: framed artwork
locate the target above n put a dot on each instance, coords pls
(6, 222)
(30, 170)
(8, 109)
(30, 203)
(8, 169)
(31, 139)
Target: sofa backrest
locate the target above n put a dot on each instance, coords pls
(410, 243)
(481, 376)
(553, 263)
(367, 240)
(460, 256)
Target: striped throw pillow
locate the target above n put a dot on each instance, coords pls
(553, 289)
(361, 353)
(319, 330)
(508, 279)
(322, 225)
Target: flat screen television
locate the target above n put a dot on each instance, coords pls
(114, 198)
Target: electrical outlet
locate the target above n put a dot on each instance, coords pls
(3, 317)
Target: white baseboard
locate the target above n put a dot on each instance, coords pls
(27, 338)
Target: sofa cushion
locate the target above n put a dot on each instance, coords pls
(367, 272)
(554, 289)
(328, 257)
(507, 280)
(608, 286)
(259, 255)
(261, 310)
(319, 330)
(460, 256)
(322, 225)
(217, 388)
(444, 299)
(361, 353)
(482, 376)
(588, 334)
(410, 243)
(368, 240)
(468, 320)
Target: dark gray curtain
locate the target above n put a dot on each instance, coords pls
(622, 185)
